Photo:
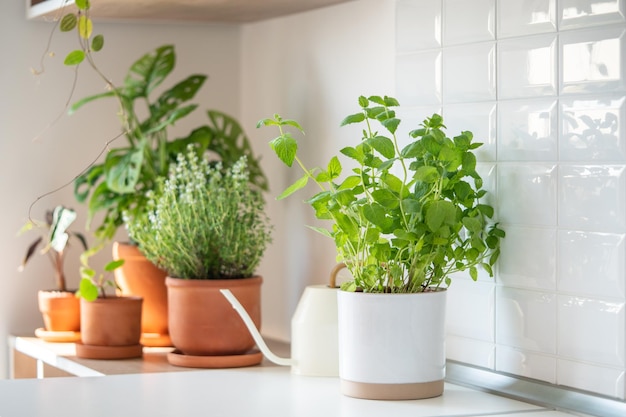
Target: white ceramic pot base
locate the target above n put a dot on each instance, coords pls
(407, 391)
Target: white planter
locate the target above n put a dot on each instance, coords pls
(392, 346)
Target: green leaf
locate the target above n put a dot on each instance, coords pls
(473, 224)
(354, 153)
(149, 71)
(383, 145)
(473, 273)
(334, 168)
(82, 4)
(97, 43)
(82, 102)
(462, 190)
(385, 198)
(391, 124)
(439, 213)
(321, 231)
(485, 209)
(426, 174)
(285, 147)
(85, 27)
(88, 290)
(391, 102)
(74, 58)
(377, 100)
(68, 22)
(113, 265)
(301, 183)
(175, 96)
(122, 173)
(469, 162)
(363, 102)
(353, 118)
(377, 214)
(350, 182)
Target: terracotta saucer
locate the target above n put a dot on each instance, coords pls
(253, 357)
(156, 340)
(108, 352)
(57, 337)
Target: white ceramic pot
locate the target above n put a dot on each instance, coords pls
(392, 346)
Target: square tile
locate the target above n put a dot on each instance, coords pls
(591, 330)
(518, 18)
(470, 309)
(470, 351)
(527, 67)
(527, 364)
(591, 61)
(468, 21)
(528, 130)
(418, 25)
(527, 194)
(593, 378)
(478, 118)
(592, 264)
(577, 14)
(592, 128)
(593, 197)
(418, 78)
(526, 319)
(528, 258)
(469, 73)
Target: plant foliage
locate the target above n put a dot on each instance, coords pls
(204, 221)
(121, 182)
(55, 238)
(404, 219)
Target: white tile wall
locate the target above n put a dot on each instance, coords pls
(542, 84)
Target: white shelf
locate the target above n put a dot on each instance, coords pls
(215, 11)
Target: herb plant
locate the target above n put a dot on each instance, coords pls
(404, 219)
(54, 238)
(205, 221)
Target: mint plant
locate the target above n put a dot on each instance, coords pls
(406, 232)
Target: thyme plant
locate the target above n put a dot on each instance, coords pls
(400, 233)
(205, 221)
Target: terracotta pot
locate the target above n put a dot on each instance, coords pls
(60, 311)
(203, 323)
(139, 277)
(392, 346)
(111, 321)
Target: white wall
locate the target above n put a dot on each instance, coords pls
(28, 104)
(543, 84)
(310, 67)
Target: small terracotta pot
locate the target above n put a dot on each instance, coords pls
(60, 310)
(139, 277)
(111, 321)
(203, 323)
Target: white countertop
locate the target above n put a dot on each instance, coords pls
(261, 390)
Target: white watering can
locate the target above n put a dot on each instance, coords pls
(314, 340)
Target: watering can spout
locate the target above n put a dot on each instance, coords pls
(254, 331)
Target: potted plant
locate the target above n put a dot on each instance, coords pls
(120, 183)
(110, 323)
(59, 307)
(403, 221)
(206, 226)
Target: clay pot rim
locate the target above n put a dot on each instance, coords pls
(56, 292)
(217, 283)
(115, 298)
